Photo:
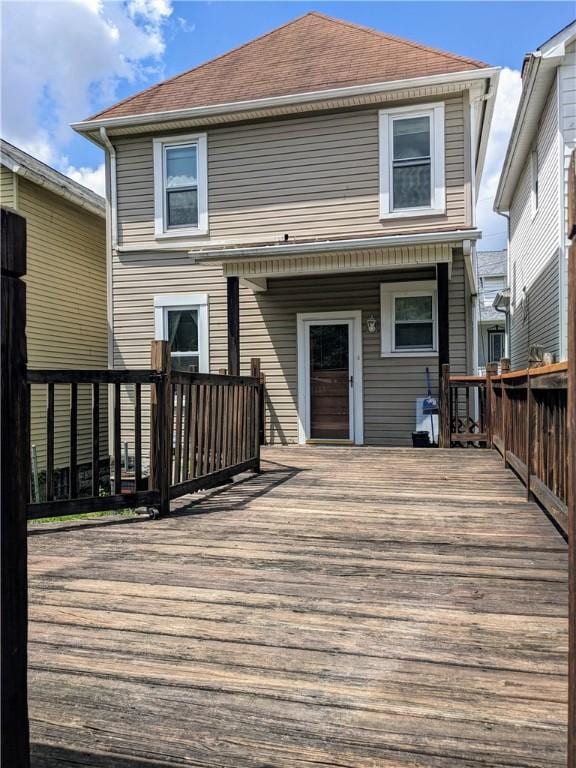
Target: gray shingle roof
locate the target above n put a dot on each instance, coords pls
(491, 263)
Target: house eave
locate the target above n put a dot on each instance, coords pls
(456, 236)
(155, 118)
(76, 198)
(540, 71)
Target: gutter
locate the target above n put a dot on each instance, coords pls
(488, 102)
(537, 65)
(289, 99)
(61, 191)
(332, 246)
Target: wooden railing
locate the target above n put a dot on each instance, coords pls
(204, 429)
(523, 415)
(463, 400)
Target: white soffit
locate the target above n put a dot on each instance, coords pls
(341, 261)
(539, 74)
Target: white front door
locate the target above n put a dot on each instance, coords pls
(330, 377)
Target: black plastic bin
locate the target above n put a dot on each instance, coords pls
(420, 439)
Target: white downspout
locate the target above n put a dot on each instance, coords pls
(111, 246)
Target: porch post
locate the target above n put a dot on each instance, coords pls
(443, 322)
(233, 301)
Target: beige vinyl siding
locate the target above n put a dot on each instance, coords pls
(313, 176)
(268, 329)
(66, 310)
(7, 187)
(535, 248)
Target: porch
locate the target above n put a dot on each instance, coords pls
(348, 606)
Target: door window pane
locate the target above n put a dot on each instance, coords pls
(329, 347)
(496, 346)
(181, 166)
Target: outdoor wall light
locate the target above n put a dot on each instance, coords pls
(371, 324)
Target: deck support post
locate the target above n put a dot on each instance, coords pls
(14, 497)
(161, 424)
(443, 316)
(571, 425)
(444, 438)
(233, 304)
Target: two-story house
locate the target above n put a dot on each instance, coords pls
(491, 280)
(532, 192)
(308, 199)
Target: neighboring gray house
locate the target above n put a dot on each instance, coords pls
(322, 179)
(532, 190)
(491, 278)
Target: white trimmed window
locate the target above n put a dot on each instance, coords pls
(181, 186)
(409, 319)
(182, 320)
(412, 161)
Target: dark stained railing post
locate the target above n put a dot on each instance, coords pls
(14, 496)
(161, 424)
(445, 426)
(571, 428)
(258, 436)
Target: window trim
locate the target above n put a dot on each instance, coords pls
(389, 292)
(199, 301)
(386, 118)
(160, 144)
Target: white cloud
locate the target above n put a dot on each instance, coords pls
(93, 178)
(492, 225)
(62, 61)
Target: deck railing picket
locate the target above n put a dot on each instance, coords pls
(137, 436)
(117, 439)
(50, 443)
(95, 478)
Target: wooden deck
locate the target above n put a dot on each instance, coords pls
(348, 607)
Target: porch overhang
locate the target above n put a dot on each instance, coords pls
(257, 263)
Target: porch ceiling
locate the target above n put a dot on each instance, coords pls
(341, 261)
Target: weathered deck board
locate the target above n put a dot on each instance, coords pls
(348, 607)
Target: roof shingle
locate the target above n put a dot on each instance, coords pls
(311, 53)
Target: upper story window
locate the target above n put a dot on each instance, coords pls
(412, 161)
(180, 186)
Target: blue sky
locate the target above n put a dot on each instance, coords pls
(63, 61)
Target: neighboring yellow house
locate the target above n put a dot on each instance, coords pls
(66, 292)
